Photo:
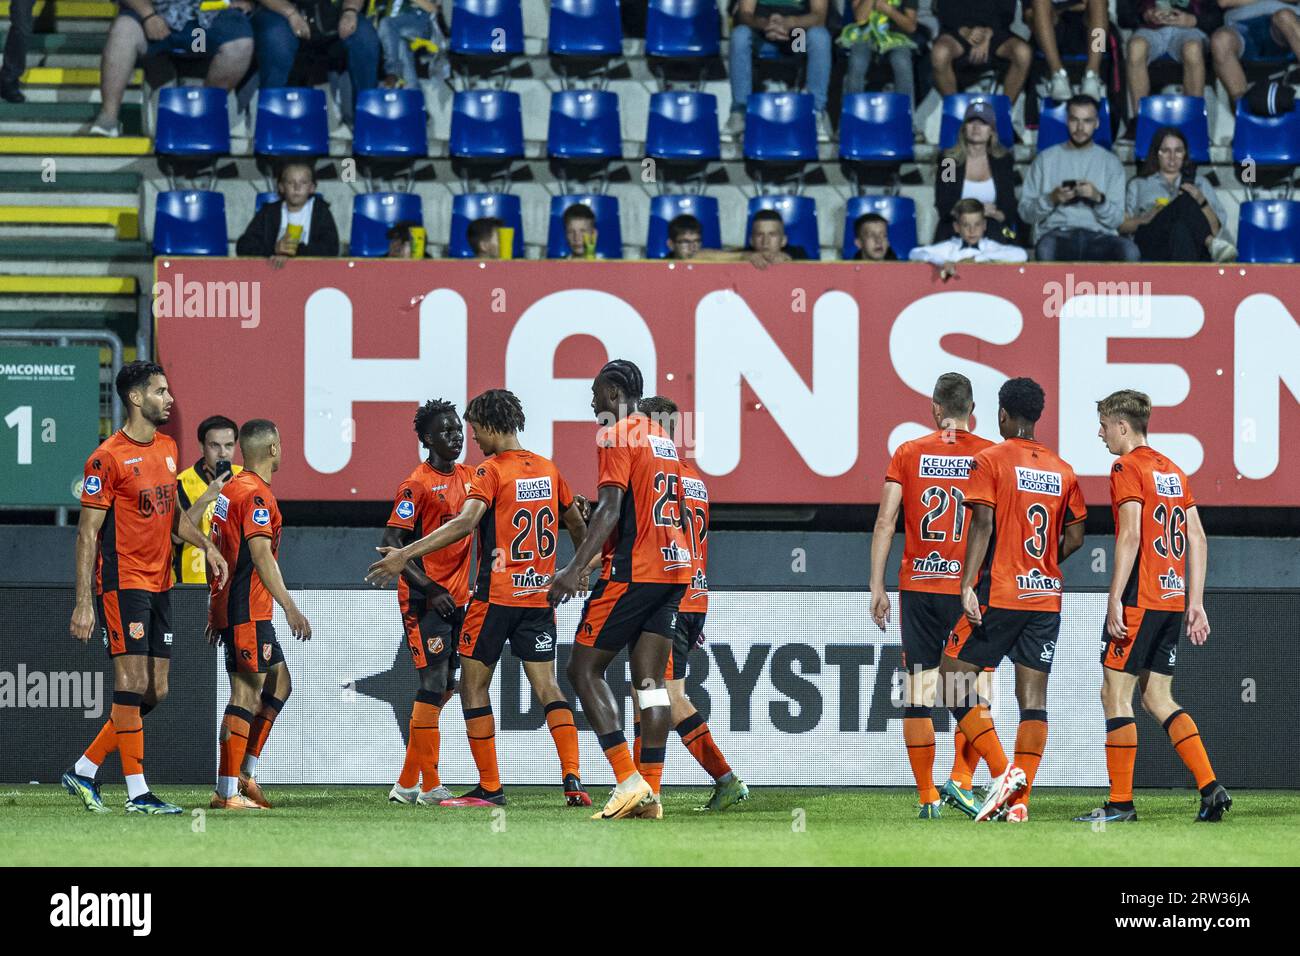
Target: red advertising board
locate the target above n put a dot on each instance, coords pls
(798, 380)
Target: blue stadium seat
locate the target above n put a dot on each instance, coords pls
(682, 29)
(664, 209)
(474, 26)
(779, 128)
(264, 198)
(1268, 140)
(487, 124)
(609, 230)
(584, 126)
(876, 128)
(190, 222)
(291, 121)
(799, 213)
(1052, 129)
(192, 122)
(1187, 113)
(390, 124)
(683, 127)
(585, 28)
(373, 214)
(954, 114)
(899, 212)
(1269, 231)
(466, 207)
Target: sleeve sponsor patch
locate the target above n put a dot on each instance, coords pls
(405, 509)
(945, 466)
(533, 489)
(1037, 481)
(1168, 486)
(262, 516)
(92, 485)
(662, 447)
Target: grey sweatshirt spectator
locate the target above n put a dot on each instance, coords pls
(1074, 195)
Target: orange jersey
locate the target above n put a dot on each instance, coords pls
(426, 501)
(136, 484)
(525, 497)
(650, 542)
(695, 508)
(245, 509)
(933, 472)
(1158, 581)
(1034, 495)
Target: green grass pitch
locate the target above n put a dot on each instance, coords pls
(357, 826)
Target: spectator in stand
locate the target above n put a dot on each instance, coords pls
(871, 236)
(1174, 214)
(580, 232)
(977, 166)
(144, 28)
(1074, 195)
(767, 237)
(790, 24)
(1179, 29)
(406, 240)
(685, 235)
(973, 33)
(197, 488)
(483, 238)
(970, 244)
(299, 223)
(281, 28)
(884, 28)
(20, 33)
(411, 20)
(1264, 29)
(1072, 25)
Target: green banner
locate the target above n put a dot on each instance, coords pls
(49, 422)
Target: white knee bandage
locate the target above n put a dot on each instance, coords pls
(652, 698)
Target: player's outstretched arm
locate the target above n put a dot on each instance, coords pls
(1198, 624)
(394, 560)
(566, 582)
(83, 614)
(882, 537)
(1128, 538)
(977, 546)
(268, 569)
(188, 532)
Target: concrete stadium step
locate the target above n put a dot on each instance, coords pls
(125, 220)
(63, 250)
(70, 76)
(68, 44)
(75, 146)
(74, 286)
(33, 118)
(69, 9)
(96, 183)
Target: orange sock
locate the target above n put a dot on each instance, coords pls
(616, 752)
(918, 735)
(1121, 755)
(103, 744)
(699, 741)
(1031, 740)
(234, 739)
(559, 717)
(1187, 741)
(262, 724)
(965, 759)
(410, 774)
(129, 732)
(651, 766)
(425, 742)
(480, 726)
(977, 724)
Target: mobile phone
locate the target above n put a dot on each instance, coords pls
(1069, 183)
(222, 469)
(1189, 172)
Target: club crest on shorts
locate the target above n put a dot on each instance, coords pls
(136, 630)
(266, 652)
(435, 645)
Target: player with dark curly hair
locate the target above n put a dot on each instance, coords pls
(1026, 517)
(431, 592)
(515, 499)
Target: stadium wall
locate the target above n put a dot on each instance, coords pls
(798, 686)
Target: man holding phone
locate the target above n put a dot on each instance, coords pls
(197, 488)
(1074, 195)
